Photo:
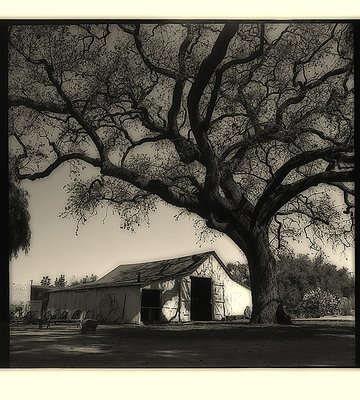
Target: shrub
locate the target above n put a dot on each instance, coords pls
(345, 306)
(299, 275)
(318, 302)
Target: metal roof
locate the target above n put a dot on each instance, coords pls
(147, 272)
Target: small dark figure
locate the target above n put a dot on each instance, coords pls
(247, 312)
(40, 323)
(88, 326)
(48, 323)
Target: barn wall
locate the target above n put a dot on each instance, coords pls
(109, 305)
(123, 304)
(228, 297)
(169, 298)
(235, 296)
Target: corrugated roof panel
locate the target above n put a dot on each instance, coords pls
(147, 272)
(155, 270)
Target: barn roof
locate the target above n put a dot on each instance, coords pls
(147, 272)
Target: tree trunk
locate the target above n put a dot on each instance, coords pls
(267, 304)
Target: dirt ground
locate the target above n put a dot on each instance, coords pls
(306, 343)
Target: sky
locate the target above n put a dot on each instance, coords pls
(100, 245)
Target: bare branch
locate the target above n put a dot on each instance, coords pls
(306, 88)
(343, 188)
(155, 186)
(286, 192)
(220, 72)
(16, 101)
(346, 192)
(60, 160)
(207, 68)
(299, 160)
(139, 45)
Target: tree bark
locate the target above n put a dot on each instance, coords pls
(266, 300)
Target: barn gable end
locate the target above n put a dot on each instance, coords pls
(228, 298)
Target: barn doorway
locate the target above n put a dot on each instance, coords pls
(150, 306)
(201, 299)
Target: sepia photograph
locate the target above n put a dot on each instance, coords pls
(181, 193)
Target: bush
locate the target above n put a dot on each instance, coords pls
(318, 303)
(345, 306)
(299, 275)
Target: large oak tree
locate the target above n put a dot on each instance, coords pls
(248, 126)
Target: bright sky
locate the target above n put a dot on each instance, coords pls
(101, 245)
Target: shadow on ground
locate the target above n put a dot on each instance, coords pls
(235, 344)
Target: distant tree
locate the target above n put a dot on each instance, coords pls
(85, 279)
(240, 272)
(45, 281)
(73, 281)
(60, 282)
(88, 279)
(19, 220)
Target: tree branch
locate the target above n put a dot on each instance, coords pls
(206, 70)
(343, 188)
(286, 192)
(16, 101)
(138, 43)
(60, 160)
(220, 72)
(346, 192)
(332, 152)
(155, 186)
(305, 89)
(135, 143)
(75, 113)
(69, 107)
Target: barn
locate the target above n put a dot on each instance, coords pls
(191, 288)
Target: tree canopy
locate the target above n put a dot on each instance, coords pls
(85, 279)
(249, 126)
(239, 272)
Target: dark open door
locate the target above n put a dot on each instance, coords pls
(150, 306)
(201, 299)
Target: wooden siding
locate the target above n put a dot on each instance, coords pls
(229, 298)
(111, 305)
(122, 304)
